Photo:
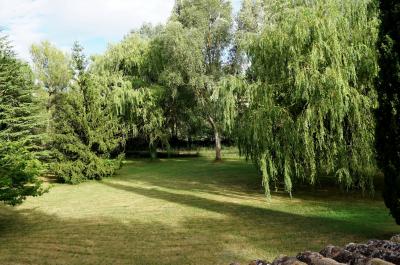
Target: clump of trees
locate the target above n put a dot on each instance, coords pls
(83, 132)
(293, 83)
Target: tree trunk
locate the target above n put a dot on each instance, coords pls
(217, 136)
(218, 156)
(153, 152)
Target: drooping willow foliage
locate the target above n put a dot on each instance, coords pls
(135, 98)
(311, 110)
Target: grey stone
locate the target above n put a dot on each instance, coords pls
(307, 256)
(376, 261)
(395, 238)
(285, 260)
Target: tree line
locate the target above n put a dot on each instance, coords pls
(304, 88)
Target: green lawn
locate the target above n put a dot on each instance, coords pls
(182, 211)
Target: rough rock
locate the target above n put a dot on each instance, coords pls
(385, 244)
(285, 260)
(362, 249)
(385, 250)
(374, 252)
(323, 261)
(259, 262)
(376, 261)
(341, 255)
(395, 238)
(359, 261)
(307, 256)
(315, 258)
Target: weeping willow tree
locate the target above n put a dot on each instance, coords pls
(136, 100)
(175, 62)
(310, 111)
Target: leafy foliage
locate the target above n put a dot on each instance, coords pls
(135, 98)
(212, 20)
(294, 80)
(388, 118)
(249, 23)
(169, 81)
(311, 110)
(85, 130)
(19, 173)
(175, 63)
(51, 67)
(21, 126)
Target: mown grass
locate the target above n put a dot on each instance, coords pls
(183, 211)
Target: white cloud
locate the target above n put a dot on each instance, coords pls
(89, 21)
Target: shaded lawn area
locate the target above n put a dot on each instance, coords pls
(183, 211)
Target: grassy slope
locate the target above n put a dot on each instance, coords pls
(182, 211)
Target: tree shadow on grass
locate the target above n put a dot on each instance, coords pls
(33, 237)
(241, 233)
(237, 177)
(248, 217)
(233, 178)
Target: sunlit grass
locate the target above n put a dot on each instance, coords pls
(183, 211)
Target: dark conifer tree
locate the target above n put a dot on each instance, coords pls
(21, 125)
(85, 130)
(388, 120)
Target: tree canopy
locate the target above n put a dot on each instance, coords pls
(21, 128)
(51, 65)
(84, 129)
(388, 119)
(294, 84)
(311, 111)
(212, 20)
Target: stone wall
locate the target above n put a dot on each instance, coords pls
(373, 252)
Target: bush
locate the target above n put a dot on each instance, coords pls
(19, 173)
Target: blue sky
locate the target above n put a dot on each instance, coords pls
(94, 23)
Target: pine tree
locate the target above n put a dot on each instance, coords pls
(388, 118)
(86, 133)
(21, 127)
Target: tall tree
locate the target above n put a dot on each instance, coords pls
(21, 126)
(388, 117)
(85, 131)
(51, 66)
(311, 111)
(53, 73)
(136, 97)
(213, 21)
(248, 22)
(175, 62)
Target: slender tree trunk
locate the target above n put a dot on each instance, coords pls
(218, 156)
(217, 136)
(153, 152)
